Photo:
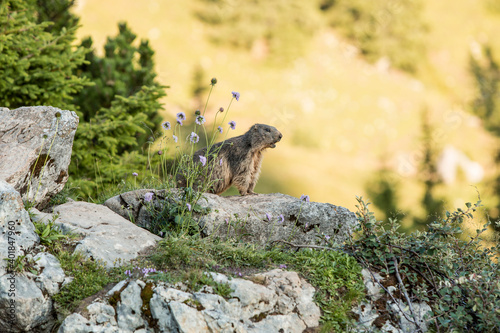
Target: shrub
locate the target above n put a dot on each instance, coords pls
(454, 274)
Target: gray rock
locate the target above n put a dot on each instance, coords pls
(187, 319)
(367, 310)
(373, 289)
(294, 294)
(101, 313)
(17, 233)
(51, 275)
(161, 312)
(254, 298)
(42, 133)
(128, 310)
(279, 323)
(245, 217)
(123, 239)
(76, 323)
(32, 309)
(420, 310)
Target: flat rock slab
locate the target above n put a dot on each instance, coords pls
(107, 236)
(35, 150)
(259, 219)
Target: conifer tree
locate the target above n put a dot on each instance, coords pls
(36, 66)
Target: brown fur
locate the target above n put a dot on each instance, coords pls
(241, 159)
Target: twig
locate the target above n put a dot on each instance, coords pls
(304, 245)
(396, 270)
(386, 290)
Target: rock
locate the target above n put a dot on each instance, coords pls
(76, 323)
(128, 310)
(101, 313)
(107, 236)
(420, 310)
(51, 275)
(294, 295)
(272, 307)
(35, 150)
(246, 217)
(279, 323)
(187, 319)
(17, 232)
(254, 299)
(369, 310)
(32, 310)
(373, 289)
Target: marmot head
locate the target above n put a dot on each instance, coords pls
(264, 136)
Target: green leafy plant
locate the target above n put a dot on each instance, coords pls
(49, 232)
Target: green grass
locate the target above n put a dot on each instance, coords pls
(89, 278)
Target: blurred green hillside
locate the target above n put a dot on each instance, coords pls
(346, 104)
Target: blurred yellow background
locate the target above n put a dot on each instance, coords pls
(343, 118)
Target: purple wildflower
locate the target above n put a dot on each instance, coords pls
(148, 196)
(159, 152)
(160, 233)
(203, 160)
(221, 109)
(179, 122)
(281, 218)
(327, 237)
(268, 216)
(166, 125)
(188, 206)
(135, 174)
(232, 123)
(219, 129)
(194, 138)
(220, 162)
(236, 95)
(304, 197)
(282, 266)
(213, 81)
(181, 116)
(175, 138)
(128, 272)
(200, 120)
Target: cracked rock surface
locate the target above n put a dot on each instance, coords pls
(283, 302)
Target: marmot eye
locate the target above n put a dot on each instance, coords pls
(268, 130)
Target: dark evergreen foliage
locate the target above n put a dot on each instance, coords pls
(36, 66)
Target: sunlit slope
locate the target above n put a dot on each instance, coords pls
(341, 117)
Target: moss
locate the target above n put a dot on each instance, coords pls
(146, 295)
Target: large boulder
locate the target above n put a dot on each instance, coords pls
(106, 236)
(260, 218)
(35, 150)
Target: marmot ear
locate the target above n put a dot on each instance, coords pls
(255, 127)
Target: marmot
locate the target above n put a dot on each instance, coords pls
(238, 160)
